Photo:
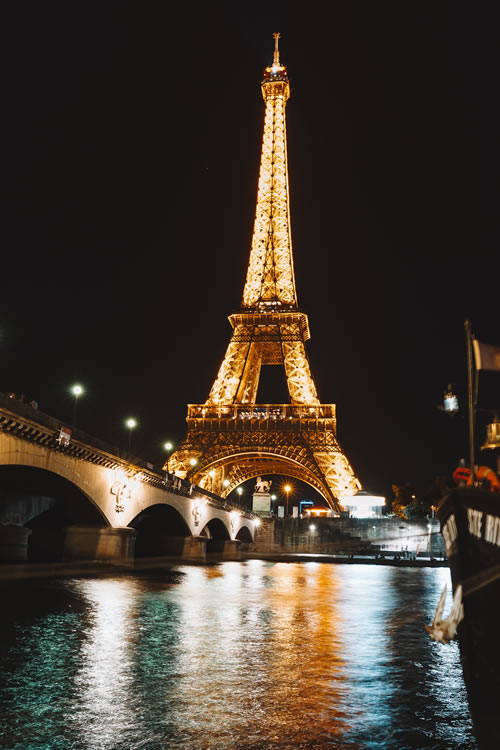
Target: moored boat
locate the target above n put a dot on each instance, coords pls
(470, 525)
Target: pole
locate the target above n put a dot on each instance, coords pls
(470, 398)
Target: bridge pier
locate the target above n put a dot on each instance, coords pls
(231, 549)
(195, 548)
(92, 543)
(225, 549)
(14, 543)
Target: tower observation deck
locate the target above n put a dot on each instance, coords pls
(231, 438)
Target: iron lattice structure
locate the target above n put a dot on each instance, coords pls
(231, 438)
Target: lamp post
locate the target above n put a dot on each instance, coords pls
(76, 390)
(239, 491)
(131, 423)
(211, 474)
(168, 447)
(192, 462)
(273, 506)
(287, 489)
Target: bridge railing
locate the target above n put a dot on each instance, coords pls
(185, 487)
(31, 424)
(54, 424)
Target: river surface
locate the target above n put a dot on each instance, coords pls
(235, 656)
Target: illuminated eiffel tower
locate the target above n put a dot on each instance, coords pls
(231, 438)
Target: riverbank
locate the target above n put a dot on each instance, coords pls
(13, 571)
(401, 562)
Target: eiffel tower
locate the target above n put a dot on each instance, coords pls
(230, 438)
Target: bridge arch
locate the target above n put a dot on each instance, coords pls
(216, 529)
(28, 493)
(244, 535)
(228, 470)
(47, 504)
(160, 530)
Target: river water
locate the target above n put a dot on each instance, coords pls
(250, 655)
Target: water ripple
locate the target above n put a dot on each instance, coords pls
(240, 655)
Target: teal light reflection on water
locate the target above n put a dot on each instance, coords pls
(239, 655)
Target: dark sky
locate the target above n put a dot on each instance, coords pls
(132, 152)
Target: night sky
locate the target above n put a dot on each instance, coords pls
(132, 153)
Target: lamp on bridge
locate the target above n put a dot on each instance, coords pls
(131, 423)
(76, 390)
(192, 462)
(211, 474)
(239, 490)
(287, 489)
(168, 447)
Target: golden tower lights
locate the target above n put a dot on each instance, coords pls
(230, 434)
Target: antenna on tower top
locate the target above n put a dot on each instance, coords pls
(276, 60)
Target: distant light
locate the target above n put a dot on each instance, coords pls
(256, 522)
(312, 527)
(287, 488)
(211, 473)
(363, 505)
(450, 403)
(77, 390)
(226, 482)
(239, 491)
(168, 446)
(131, 423)
(193, 461)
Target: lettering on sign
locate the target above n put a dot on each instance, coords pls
(475, 518)
(492, 529)
(449, 532)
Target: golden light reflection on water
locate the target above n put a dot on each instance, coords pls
(263, 650)
(252, 656)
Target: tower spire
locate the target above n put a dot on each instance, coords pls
(270, 277)
(276, 60)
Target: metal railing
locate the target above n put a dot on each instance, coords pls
(270, 412)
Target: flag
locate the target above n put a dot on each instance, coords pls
(487, 356)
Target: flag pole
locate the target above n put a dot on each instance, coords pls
(470, 398)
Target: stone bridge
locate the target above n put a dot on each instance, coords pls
(67, 496)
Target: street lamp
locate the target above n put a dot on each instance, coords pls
(76, 390)
(192, 463)
(211, 474)
(287, 489)
(450, 401)
(131, 423)
(168, 447)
